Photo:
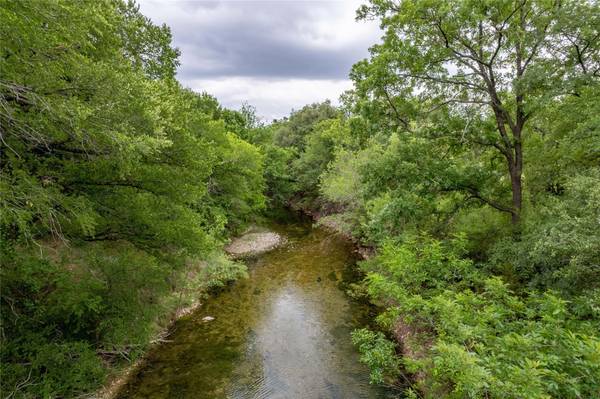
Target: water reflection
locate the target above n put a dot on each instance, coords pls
(284, 333)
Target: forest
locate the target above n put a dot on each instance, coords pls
(465, 160)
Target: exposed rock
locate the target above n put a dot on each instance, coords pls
(253, 243)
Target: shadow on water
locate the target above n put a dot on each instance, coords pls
(282, 333)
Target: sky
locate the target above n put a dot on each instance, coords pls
(275, 55)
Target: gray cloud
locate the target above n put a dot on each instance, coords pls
(264, 41)
(265, 59)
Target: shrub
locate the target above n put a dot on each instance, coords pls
(483, 340)
(378, 353)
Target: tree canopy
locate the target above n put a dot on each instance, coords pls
(466, 156)
(465, 160)
(116, 184)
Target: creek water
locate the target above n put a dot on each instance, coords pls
(282, 333)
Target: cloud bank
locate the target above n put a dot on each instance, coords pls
(276, 55)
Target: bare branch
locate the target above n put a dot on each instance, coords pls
(391, 103)
(474, 193)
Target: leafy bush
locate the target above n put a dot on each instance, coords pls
(378, 353)
(477, 338)
(559, 246)
(51, 369)
(220, 270)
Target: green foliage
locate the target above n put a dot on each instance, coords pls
(219, 271)
(65, 369)
(378, 353)
(279, 180)
(113, 177)
(146, 45)
(425, 266)
(237, 183)
(94, 298)
(341, 182)
(292, 131)
(560, 245)
(318, 152)
(482, 339)
(298, 150)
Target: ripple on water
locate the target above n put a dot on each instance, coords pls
(283, 333)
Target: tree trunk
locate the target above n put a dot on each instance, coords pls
(512, 150)
(517, 199)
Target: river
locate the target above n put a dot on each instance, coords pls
(282, 333)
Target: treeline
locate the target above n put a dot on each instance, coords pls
(118, 188)
(468, 156)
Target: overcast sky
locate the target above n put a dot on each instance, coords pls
(276, 55)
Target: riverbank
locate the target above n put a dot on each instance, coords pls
(119, 377)
(285, 330)
(254, 241)
(194, 283)
(330, 217)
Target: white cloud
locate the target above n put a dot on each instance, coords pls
(277, 55)
(272, 98)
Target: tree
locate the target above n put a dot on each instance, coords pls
(292, 131)
(494, 61)
(146, 45)
(122, 179)
(320, 145)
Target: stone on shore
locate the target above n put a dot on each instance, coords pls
(253, 243)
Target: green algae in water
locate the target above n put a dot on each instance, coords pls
(282, 333)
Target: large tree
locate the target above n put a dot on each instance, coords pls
(494, 63)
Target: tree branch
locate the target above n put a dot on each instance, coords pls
(474, 193)
(402, 120)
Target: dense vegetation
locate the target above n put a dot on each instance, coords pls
(467, 155)
(118, 188)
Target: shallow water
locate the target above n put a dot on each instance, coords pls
(282, 333)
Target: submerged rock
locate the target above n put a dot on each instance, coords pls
(253, 243)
